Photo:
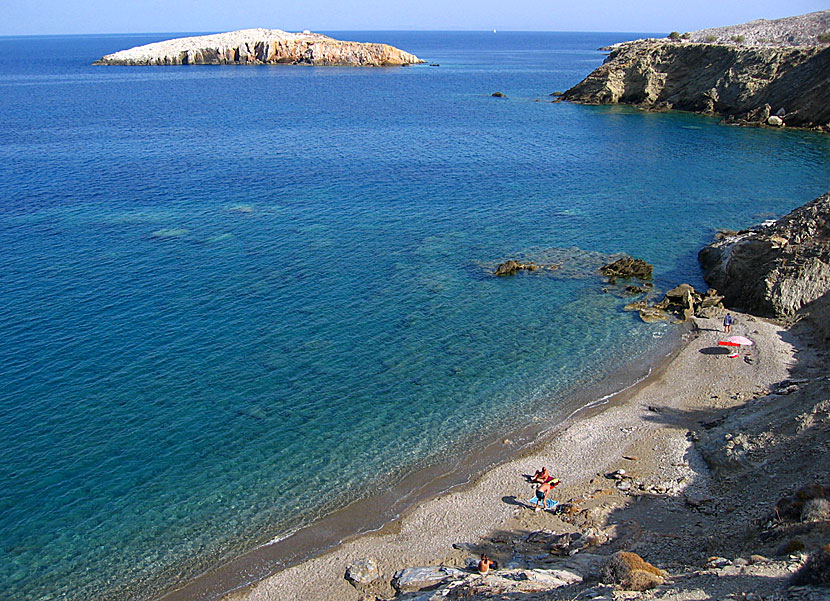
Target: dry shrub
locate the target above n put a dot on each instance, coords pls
(631, 571)
(816, 571)
(640, 580)
(792, 506)
(793, 545)
(815, 510)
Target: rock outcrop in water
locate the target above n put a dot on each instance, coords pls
(744, 83)
(512, 267)
(262, 46)
(774, 269)
(627, 267)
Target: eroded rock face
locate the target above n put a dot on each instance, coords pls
(777, 269)
(743, 83)
(261, 46)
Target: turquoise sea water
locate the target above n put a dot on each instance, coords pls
(223, 289)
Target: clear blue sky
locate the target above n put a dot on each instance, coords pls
(41, 17)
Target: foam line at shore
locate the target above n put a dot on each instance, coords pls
(452, 476)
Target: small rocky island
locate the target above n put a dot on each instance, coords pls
(771, 72)
(262, 47)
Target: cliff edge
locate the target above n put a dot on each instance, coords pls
(767, 83)
(780, 269)
(262, 46)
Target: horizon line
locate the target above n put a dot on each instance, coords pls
(192, 33)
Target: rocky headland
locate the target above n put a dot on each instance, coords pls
(754, 77)
(262, 47)
(777, 269)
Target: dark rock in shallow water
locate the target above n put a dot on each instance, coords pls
(627, 267)
(512, 267)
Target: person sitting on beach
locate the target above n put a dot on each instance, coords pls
(541, 476)
(485, 564)
(542, 492)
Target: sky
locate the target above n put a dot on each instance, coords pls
(50, 17)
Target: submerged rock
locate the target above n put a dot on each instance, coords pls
(261, 46)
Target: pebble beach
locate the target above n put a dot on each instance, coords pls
(644, 432)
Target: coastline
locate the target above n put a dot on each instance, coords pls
(443, 528)
(381, 513)
(579, 454)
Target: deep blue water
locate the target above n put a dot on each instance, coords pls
(224, 288)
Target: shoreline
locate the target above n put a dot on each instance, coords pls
(445, 529)
(380, 513)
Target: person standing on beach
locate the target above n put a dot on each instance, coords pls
(542, 493)
(727, 323)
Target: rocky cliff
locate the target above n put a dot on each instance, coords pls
(775, 269)
(751, 84)
(261, 46)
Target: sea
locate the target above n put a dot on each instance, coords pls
(235, 300)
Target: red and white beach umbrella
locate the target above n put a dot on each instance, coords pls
(736, 342)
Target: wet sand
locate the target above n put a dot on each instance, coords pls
(648, 422)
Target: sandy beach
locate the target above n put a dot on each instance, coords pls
(644, 431)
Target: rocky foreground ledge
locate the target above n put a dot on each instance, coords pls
(262, 46)
(761, 84)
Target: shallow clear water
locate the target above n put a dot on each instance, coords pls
(225, 289)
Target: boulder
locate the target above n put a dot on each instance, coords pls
(548, 579)
(775, 121)
(681, 301)
(421, 578)
(653, 314)
(712, 299)
(364, 571)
